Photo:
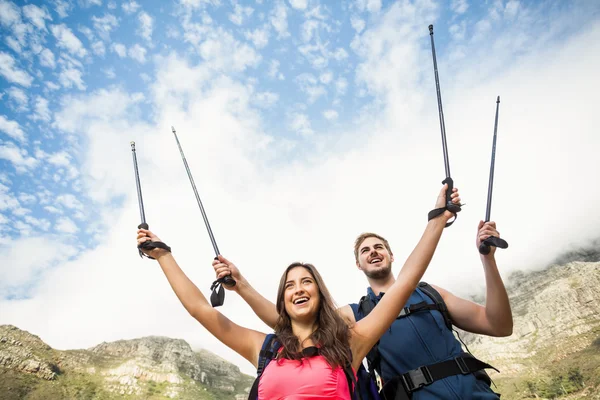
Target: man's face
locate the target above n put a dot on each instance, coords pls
(374, 259)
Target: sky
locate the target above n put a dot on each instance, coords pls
(304, 123)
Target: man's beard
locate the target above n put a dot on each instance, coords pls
(380, 273)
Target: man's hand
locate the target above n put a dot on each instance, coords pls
(441, 200)
(224, 267)
(144, 235)
(484, 231)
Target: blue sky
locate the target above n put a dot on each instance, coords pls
(309, 119)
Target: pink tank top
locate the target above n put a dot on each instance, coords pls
(311, 379)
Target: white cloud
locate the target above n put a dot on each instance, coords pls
(458, 31)
(62, 8)
(146, 25)
(111, 5)
(130, 7)
(53, 210)
(27, 198)
(98, 48)
(89, 34)
(340, 54)
(326, 77)
(38, 223)
(273, 70)
(259, 37)
(67, 40)
(18, 157)
(69, 200)
(9, 13)
(299, 4)
(41, 110)
(11, 72)
(66, 225)
(300, 123)
(512, 8)
(19, 97)
(278, 19)
(52, 86)
(120, 49)
(19, 266)
(89, 3)
(330, 114)
(357, 23)
(105, 25)
(459, 6)
(373, 6)
(12, 129)
(110, 73)
(239, 14)
(309, 27)
(266, 99)
(47, 59)
(7, 200)
(71, 77)
(224, 52)
(138, 53)
(37, 16)
(14, 44)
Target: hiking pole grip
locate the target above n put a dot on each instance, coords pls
(485, 246)
(450, 206)
(227, 279)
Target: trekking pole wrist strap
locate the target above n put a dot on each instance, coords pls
(152, 246)
(439, 211)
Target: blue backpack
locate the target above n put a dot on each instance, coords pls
(269, 351)
(401, 387)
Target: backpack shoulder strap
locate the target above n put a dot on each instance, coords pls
(436, 297)
(365, 306)
(268, 352)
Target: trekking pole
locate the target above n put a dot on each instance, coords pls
(218, 295)
(143, 225)
(484, 247)
(453, 208)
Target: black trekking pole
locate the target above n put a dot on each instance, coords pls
(218, 295)
(143, 225)
(484, 247)
(453, 208)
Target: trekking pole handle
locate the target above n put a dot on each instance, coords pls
(485, 246)
(450, 206)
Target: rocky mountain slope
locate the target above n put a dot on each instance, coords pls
(554, 350)
(146, 368)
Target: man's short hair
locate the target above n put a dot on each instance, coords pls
(366, 235)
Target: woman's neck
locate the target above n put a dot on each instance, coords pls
(303, 332)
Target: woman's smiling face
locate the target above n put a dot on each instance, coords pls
(301, 294)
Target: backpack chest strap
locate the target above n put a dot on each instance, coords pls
(401, 386)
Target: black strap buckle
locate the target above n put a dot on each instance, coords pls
(416, 379)
(462, 365)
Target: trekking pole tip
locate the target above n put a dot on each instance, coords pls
(498, 99)
(431, 29)
(132, 143)
(172, 129)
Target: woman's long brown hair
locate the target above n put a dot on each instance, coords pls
(332, 335)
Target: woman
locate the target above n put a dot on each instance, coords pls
(307, 319)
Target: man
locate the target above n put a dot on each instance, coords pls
(420, 336)
(420, 343)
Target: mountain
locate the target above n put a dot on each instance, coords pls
(554, 351)
(147, 368)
